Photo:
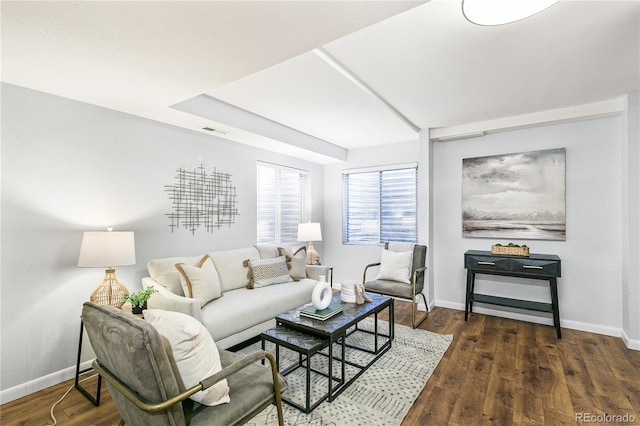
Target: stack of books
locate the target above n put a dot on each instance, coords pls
(321, 314)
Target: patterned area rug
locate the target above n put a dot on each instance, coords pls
(382, 395)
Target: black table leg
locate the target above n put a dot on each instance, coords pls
(95, 400)
(554, 304)
(467, 304)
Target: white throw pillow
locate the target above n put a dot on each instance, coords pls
(194, 350)
(164, 272)
(201, 283)
(268, 272)
(395, 266)
(297, 262)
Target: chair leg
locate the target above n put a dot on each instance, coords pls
(414, 308)
(276, 387)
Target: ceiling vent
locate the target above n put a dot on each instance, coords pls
(211, 129)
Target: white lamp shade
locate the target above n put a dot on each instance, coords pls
(309, 232)
(101, 249)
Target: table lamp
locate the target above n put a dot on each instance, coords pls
(107, 249)
(310, 232)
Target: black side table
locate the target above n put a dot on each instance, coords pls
(95, 400)
(536, 266)
(305, 345)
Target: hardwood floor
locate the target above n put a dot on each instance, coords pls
(496, 371)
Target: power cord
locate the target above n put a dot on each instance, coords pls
(55, 422)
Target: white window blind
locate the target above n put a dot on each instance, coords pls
(380, 205)
(283, 203)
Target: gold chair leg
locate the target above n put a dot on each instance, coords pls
(414, 308)
(276, 387)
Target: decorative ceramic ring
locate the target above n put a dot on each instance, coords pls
(321, 296)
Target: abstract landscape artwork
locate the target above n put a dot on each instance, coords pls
(515, 196)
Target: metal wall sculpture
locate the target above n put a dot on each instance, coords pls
(202, 200)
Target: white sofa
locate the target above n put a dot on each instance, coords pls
(240, 313)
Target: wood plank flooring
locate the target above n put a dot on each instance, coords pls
(496, 371)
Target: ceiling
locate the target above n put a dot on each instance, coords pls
(316, 79)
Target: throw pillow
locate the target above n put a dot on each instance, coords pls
(201, 283)
(395, 266)
(247, 265)
(297, 262)
(269, 271)
(194, 350)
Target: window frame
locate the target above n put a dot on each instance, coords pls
(350, 237)
(280, 235)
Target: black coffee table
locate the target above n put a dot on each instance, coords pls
(308, 336)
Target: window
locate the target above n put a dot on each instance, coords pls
(283, 203)
(380, 205)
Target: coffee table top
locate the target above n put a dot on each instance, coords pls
(352, 313)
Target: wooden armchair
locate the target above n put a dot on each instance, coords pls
(400, 289)
(145, 384)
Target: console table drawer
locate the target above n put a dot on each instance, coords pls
(488, 263)
(535, 267)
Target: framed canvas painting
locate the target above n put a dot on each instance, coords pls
(515, 196)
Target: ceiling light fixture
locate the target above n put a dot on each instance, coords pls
(498, 12)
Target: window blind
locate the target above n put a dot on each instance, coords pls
(379, 205)
(282, 203)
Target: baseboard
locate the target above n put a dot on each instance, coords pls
(523, 316)
(630, 343)
(24, 389)
(421, 306)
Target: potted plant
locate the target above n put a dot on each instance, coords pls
(139, 300)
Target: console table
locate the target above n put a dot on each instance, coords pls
(536, 266)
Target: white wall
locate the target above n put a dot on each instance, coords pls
(68, 167)
(590, 286)
(630, 169)
(591, 292)
(349, 261)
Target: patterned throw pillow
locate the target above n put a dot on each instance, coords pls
(269, 271)
(297, 262)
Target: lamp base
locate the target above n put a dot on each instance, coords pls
(313, 258)
(110, 291)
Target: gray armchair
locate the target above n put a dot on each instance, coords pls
(402, 290)
(145, 384)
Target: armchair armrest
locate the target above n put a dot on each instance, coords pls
(364, 274)
(204, 384)
(414, 279)
(169, 301)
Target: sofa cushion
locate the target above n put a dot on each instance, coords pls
(194, 350)
(228, 263)
(267, 272)
(297, 261)
(199, 282)
(267, 251)
(164, 272)
(241, 309)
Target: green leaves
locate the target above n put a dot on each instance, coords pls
(140, 298)
(510, 245)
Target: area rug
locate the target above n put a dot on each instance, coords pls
(382, 395)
